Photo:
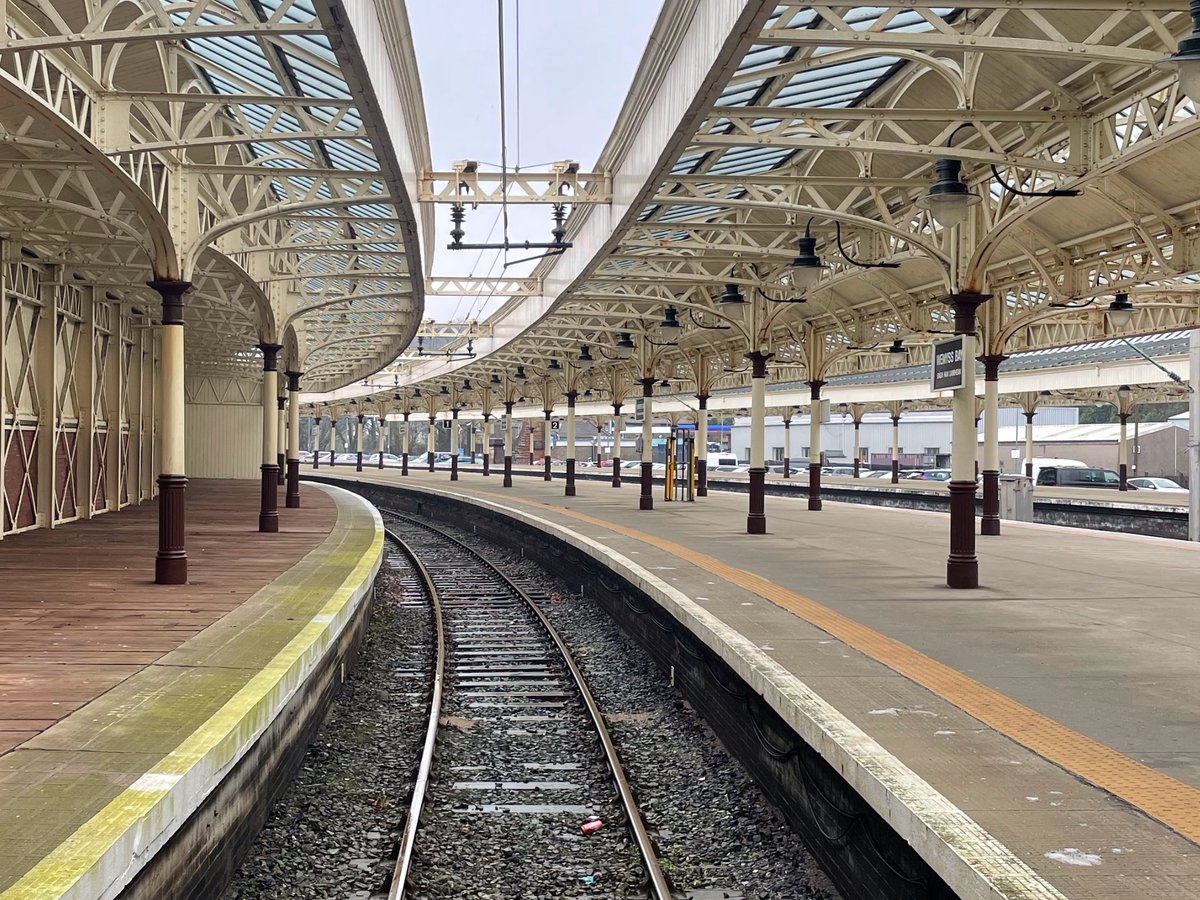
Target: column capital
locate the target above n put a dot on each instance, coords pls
(293, 380)
(270, 354)
(508, 407)
(282, 401)
(361, 416)
(648, 386)
(617, 404)
(758, 363)
(991, 365)
(171, 291)
(549, 413)
(1029, 414)
(814, 388)
(702, 399)
(964, 305)
(571, 395)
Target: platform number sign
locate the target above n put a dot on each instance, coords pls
(948, 365)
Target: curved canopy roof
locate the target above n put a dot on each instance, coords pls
(232, 143)
(831, 117)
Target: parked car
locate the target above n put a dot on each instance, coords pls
(715, 461)
(877, 473)
(1162, 485)
(304, 456)
(347, 458)
(631, 464)
(839, 471)
(1042, 462)
(913, 475)
(389, 459)
(1074, 476)
(937, 474)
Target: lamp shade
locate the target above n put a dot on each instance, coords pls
(807, 266)
(1120, 311)
(949, 200)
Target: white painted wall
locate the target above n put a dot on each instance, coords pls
(223, 440)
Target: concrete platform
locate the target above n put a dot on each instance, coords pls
(1043, 732)
(133, 702)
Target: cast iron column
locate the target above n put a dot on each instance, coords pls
(404, 446)
(646, 499)
(333, 430)
(317, 443)
(787, 448)
(431, 444)
(570, 489)
(857, 448)
(508, 443)
(454, 444)
(814, 453)
(281, 433)
(1029, 443)
(170, 563)
(896, 449)
(268, 512)
(702, 449)
(1123, 451)
(990, 523)
(380, 423)
(487, 444)
(358, 442)
(292, 498)
(962, 566)
(756, 519)
(546, 445)
(618, 426)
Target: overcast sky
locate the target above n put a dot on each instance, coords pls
(576, 62)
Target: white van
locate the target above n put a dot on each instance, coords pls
(721, 459)
(1045, 462)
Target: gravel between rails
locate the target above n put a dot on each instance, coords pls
(713, 827)
(333, 833)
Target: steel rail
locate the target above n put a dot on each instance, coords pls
(659, 885)
(408, 839)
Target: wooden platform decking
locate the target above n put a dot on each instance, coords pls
(79, 612)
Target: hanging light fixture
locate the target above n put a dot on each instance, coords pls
(625, 346)
(1187, 59)
(587, 393)
(670, 326)
(416, 393)
(585, 359)
(665, 383)
(443, 390)
(467, 385)
(897, 347)
(520, 374)
(949, 199)
(495, 379)
(554, 365)
(1120, 311)
(807, 266)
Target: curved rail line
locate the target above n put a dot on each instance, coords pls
(408, 839)
(660, 888)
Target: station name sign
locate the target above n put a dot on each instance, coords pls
(949, 371)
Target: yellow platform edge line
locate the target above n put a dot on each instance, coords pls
(1170, 801)
(146, 805)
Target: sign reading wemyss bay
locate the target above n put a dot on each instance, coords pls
(949, 371)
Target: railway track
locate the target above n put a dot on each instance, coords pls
(517, 708)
